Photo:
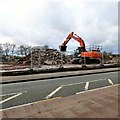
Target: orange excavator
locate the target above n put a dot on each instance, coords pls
(93, 56)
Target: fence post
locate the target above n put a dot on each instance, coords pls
(31, 60)
(39, 61)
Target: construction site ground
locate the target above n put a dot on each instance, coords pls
(99, 103)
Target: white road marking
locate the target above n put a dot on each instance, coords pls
(10, 98)
(86, 85)
(110, 81)
(13, 93)
(96, 80)
(72, 84)
(81, 82)
(23, 105)
(8, 94)
(95, 89)
(52, 93)
(56, 90)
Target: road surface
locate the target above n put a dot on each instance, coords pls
(16, 94)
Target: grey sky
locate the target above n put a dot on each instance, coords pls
(40, 22)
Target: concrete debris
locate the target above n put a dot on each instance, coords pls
(48, 57)
(112, 61)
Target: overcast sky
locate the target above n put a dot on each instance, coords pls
(41, 22)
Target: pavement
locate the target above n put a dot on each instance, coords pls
(43, 76)
(100, 103)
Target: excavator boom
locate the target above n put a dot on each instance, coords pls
(75, 37)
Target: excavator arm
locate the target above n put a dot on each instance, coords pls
(75, 37)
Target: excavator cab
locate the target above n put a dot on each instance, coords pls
(77, 52)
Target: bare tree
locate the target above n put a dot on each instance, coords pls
(21, 49)
(1, 50)
(13, 48)
(24, 50)
(27, 50)
(6, 47)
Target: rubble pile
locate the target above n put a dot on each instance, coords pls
(47, 57)
(112, 61)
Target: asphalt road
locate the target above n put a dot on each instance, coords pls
(16, 94)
